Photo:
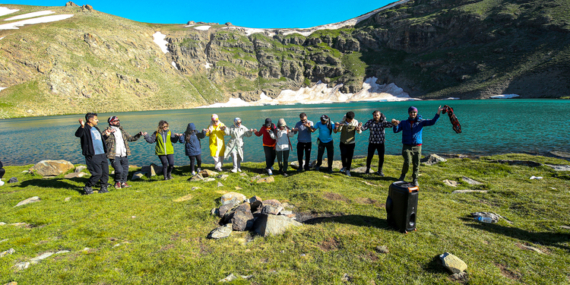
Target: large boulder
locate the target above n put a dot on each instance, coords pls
(226, 198)
(267, 225)
(51, 167)
(432, 159)
(242, 218)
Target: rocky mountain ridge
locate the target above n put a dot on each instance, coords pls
(432, 49)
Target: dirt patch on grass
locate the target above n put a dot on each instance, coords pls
(330, 244)
(370, 256)
(335, 197)
(167, 247)
(368, 201)
(509, 273)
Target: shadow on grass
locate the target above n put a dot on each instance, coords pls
(54, 183)
(543, 238)
(356, 220)
(435, 266)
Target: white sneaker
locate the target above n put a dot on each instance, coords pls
(1, 183)
(239, 169)
(218, 169)
(269, 172)
(342, 170)
(348, 173)
(234, 170)
(199, 170)
(193, 173)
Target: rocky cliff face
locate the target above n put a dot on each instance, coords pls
(432, 49)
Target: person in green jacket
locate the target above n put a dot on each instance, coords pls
(164, 138)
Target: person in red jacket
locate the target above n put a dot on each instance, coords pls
(268, 144)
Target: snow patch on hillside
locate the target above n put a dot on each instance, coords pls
(30, 15)
(321, 93)
(202, 28)
(174, 64)
(5, 11)
(159, 39)
(2, 88)
(504, 96)
(207, 65)
(1, 38)
(47, 19)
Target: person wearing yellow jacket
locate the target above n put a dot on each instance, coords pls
(216, 132)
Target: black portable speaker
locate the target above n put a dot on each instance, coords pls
(402, 206)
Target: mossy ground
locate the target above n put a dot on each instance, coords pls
(140, 235)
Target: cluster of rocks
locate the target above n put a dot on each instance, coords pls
(264, 218)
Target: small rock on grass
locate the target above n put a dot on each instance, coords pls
(29, 200)
(195, 188)
(228, 197)
(269, 179)
(565, 227)
(223, 176)
(63, 251)
(221, 232)
(67, 199)
(531, 248)
(232, 277)
(453, 263)
(21, 265)
(2, 223)
(382, 249)
(450, 183)
(13, 180)
(4, 253)
(209, 179)
(432, 159)
(220, 184)
(468, 191)
(346, 278)
(238, 188)
(12, 283)
(41, 257)
(470, 181)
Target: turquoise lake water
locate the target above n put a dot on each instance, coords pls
(489, 127)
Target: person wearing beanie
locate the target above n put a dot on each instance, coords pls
(94, 150)
(164, 138)
(216, 132)
(235, 145)
(411, 129)
(2, 172)
(304, 143)
(348, 128)
(325, 141)
(193, 147)
(283, 145)
(118, 150)
(268, 144)
(376, 140)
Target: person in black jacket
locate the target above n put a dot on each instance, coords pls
(94, 150)
(2, 171)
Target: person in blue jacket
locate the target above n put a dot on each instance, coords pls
(193, 147)
(412, 139)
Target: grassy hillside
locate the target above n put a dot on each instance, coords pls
(141, 235)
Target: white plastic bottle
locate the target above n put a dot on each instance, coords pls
(484, 219)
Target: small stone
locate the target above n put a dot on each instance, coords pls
(271, 210)
(209, 179)
(565, 227)
(41, 257)
(12, 283)
(2, 223)
(470, 181)
(19, 224)
(13, 180)
(196, 178)
(450, 183)
(226, 198)
(28, 201)
(432, 159)
(133, 217)
(10, 251)
(195, 188)
(346, 278)
(461, 277)
(382, 249)
(535, 177)
(52, 167)
(4, 240)
(215, 212)
(184, 198)
(453, 263)
(220, 184)
(208, 173)
(22, 265)
(469, 191)
(228, 206)
(269, 179)
(86, 249)
(327, 177)
(117, 245)
(531, 248)
(223, 176)
(67, 199)
(80, 168)
(228, 278)
(137, 176)
(221, 232)
(62, 252)
(238, 188)
(302, 255)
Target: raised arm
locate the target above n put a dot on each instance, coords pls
(366, 126)
(132, 138)
(151, 138)
(431, 122)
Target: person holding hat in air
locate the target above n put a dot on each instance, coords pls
(412, 140)
(325, 141)
(235, 145)
(118, 150)
(94, 150)
(217, 145)
(282, 136)
(268, 144)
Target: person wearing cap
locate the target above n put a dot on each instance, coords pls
(235, 144)
(282, 137)
(304, 142)
(118, 150)
(94, 150)
(376, 140)
(348, 128)
(164, 138)
(268, 144)
(325, 141)
(412, 140)
(217, 145)
(193, 147)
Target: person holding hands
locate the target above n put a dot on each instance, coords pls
(164, 138)
(94, 150)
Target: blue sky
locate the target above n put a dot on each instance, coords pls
(247, 13)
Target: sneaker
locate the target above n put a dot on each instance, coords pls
(234, 170)
(87, 190)
(118, 185)
(285, 174)
(125, 185)
(193, 173)
(1, 183)
(269, 171)
(342, 170)
(380, 173)
(199, 170)
(348, 173)
(103, 190)
(402, 177)
(367, 171)
(415, 182)
(239, 169)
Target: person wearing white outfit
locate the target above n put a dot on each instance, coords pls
(235, 145)
(282, 135)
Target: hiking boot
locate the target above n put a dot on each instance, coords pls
(117, 185)
(402, 177)
(380, 173)
(125, 185)
(415, 182)
(199, 170)
(87, 190)
(103, 190)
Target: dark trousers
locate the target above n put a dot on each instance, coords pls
(372, 148)
(411, 154)
(283, 160)
(304, 148)
(269, 156)
(330, 153)
(2, 172)
(98, 166)
(346, 154)
(121, 166)
(195, 160)
(167, 163)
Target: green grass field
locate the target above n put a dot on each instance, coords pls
(140, 235)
